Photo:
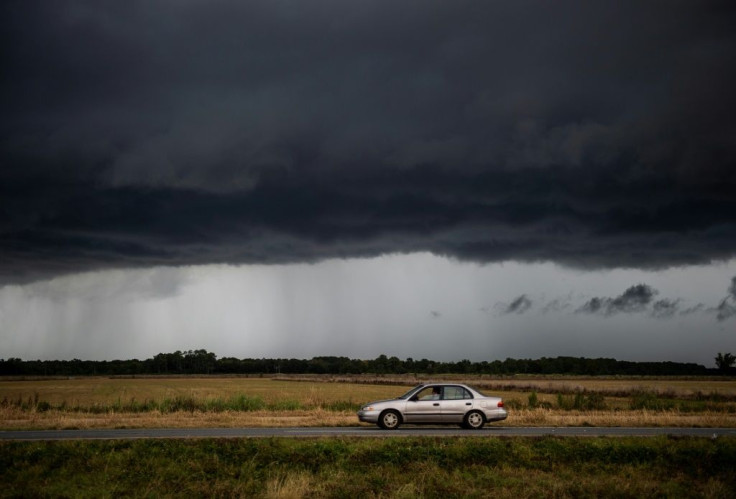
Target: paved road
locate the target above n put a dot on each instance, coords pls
(361, 431)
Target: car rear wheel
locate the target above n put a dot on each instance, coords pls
(474, 420)
(389, 420)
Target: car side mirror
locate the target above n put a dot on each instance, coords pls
(414, 399)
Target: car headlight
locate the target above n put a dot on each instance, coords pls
(368, 408)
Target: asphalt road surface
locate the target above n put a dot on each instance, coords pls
(361, 431)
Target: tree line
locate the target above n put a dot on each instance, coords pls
(204, 362)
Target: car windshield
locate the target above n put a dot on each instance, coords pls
(410, 392)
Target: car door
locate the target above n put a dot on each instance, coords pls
(424, 407)
(456, 401)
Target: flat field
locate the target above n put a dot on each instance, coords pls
(88, 391)
(188, 401)
(364, 467)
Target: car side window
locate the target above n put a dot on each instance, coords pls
(429, 393)
(456, 393)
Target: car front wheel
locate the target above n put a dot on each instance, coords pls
(474, 420)
(389, 420)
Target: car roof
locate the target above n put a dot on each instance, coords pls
(445, 383)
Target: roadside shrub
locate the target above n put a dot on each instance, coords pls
(533, 400)
(43, 406)
(179, 403)
(216, 405)
(650, 401)
(340, 405)
(285, 405)
(595, 402)
(513, 404)
(565, 402)
(246, 403)
(581, 402)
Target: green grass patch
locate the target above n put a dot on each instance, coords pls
(656, 402)
(367, 467)
(581, 402)
(166, 405)
(184, 403)
(285, 405)
(340, 405)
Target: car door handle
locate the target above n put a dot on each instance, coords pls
(436, 403)
(468, 403)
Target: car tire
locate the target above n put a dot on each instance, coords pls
(389, 420)
(474, 420)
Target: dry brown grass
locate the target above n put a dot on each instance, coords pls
(86, 392)
(611, 386)
(12, 418)
(675, 387)
(293, 485)
(552, 417)
(325, 389)
(89, 391)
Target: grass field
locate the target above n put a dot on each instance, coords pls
(391, 468)
(343, 467)
(89, 391)
(329, 401)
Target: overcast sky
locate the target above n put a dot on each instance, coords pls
(431, 179)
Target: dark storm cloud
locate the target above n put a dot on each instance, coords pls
(727, 308)
(664, 309)
(634, 299)
(519, 305)
(700, 307)
(557, 305)
(163, 133)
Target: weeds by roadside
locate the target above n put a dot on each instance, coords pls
(105, 403)
(243, 403)
(368, 467)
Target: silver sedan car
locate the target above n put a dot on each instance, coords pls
(435, 403)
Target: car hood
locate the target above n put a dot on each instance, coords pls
(376, 402)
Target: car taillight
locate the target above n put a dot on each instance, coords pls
(500, 403)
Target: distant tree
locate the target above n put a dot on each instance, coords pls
(725, 361)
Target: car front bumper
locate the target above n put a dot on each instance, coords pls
(368, 416)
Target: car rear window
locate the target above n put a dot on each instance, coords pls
(478, 392)
(456, 393)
